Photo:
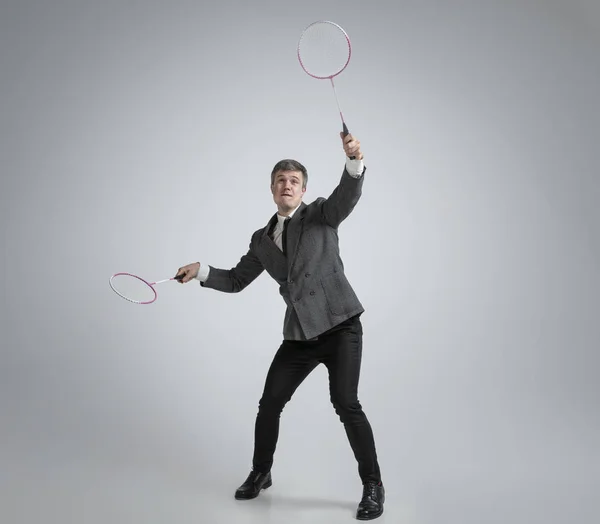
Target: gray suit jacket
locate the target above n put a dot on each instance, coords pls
(311, 279)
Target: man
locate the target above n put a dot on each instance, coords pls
(299, 248)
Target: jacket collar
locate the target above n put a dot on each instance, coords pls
(297, 216)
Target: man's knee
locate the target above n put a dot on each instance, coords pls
(347, 409)
(270, 403)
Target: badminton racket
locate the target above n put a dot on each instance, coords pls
(324, 51)
(136, 289)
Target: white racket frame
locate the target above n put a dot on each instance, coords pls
(149, 284)
(329, 77)
(339, 28)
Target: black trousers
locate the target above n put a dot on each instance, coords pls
(340, 350)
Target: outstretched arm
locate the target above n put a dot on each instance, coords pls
(231, 280)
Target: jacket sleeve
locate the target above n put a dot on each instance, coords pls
(336, 208)
(237, 278)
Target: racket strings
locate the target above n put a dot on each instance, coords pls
(132, 288)
(324, 49)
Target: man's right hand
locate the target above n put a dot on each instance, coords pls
(186, 273)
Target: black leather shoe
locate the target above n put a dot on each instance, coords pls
(371, 505)
(253, 485)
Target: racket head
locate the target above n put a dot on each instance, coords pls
(133, 288)
(324, 49)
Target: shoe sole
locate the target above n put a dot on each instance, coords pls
(242, 496)
(375, 515)
(371, 517)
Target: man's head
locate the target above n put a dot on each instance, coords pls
(288, 184)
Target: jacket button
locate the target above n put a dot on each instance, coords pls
(307, 275)
(312, 292)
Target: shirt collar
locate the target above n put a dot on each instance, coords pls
(281, 218)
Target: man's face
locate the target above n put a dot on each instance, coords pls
(287, 190)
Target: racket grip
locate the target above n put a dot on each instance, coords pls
(346, 132)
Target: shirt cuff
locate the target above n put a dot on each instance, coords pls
(203, 273)
(354, 167)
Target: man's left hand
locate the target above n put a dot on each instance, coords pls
(351, 146)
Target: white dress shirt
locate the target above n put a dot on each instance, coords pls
(355, 169)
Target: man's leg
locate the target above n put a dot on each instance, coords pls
(291, 365)
(342, 356)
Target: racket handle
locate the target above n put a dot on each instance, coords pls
(346, 132)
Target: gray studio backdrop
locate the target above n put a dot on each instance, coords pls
(139, 136)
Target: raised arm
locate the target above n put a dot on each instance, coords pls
(347, 193)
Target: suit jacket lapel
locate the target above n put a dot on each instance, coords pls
(267, 229)
(293, 233)
(268, 243)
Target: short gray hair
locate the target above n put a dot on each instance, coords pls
(290, 165)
